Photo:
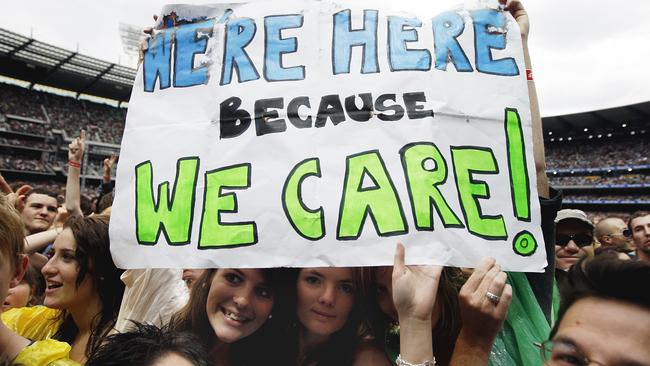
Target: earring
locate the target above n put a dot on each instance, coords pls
(271, 316)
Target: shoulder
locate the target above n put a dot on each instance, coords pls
(369, 353)
(35, 323)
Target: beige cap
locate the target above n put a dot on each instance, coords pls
(573, 214)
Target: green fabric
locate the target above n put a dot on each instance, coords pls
(556, 303)
(525, 325)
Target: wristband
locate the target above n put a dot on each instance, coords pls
(529, 74)
(400, 362)
(74, 164)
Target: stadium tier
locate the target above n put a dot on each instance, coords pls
(600, 159)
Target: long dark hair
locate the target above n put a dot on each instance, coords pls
(444, 333)
(94, 258)
(256, 349)
(341, 347)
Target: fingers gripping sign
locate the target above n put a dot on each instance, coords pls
(516, 9)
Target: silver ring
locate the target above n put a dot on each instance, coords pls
(493, 298)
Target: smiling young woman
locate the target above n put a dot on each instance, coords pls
(83, 292)
(327, 326)
(234, 311)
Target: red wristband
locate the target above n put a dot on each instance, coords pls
(529, 74)
(74, 164)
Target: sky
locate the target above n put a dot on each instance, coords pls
(586, 54)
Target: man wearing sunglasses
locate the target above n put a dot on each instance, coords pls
(573, 238)
(613, 233)
(639, 225)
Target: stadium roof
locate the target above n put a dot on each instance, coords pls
(606, 120)
(37, 62)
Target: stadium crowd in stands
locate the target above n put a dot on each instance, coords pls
(104, 123)
(24, 143)
(609, 197)
(595, 180)
(606, 153)
(21, 102)
(24, 164)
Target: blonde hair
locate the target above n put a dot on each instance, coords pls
(12, 236)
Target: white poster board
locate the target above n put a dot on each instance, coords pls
(314, 133)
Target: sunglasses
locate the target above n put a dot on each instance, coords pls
(581, 240)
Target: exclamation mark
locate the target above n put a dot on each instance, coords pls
(524, 243)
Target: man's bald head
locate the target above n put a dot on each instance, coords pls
(610, 233)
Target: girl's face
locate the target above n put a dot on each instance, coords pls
(17, 297)
(61, 272)
(385, 296)
(325, 299)
(239, 302)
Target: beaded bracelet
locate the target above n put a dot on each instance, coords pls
(74, 164)
(400, 362)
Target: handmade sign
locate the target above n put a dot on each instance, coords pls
(317, 133)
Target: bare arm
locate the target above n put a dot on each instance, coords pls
(72, 186)
(414, 295)
(36, 242)
(516, 8)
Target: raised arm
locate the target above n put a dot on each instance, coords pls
(516, 8)
(414, 294)
(108, 168)
(36, 242)
(72, 187)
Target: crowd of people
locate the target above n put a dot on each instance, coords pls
(104, 123)
(21, 163)
(14, 142)
(599, 180)
(66, 302)
(21, 102)
(640, 198)
(33, 128)
(618, 152)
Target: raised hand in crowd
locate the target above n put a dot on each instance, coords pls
(108, 168)
(15, 199)
(76, 150)
(484, 300)
(414, 295)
